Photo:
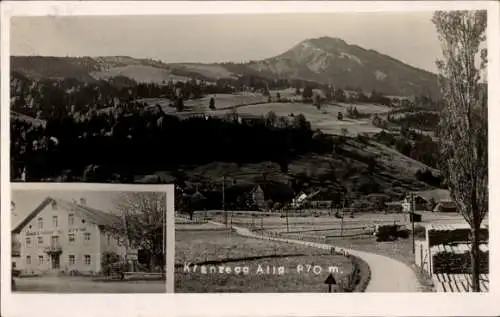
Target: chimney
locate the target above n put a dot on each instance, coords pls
(83, 201)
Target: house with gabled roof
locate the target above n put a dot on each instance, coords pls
(69, 237)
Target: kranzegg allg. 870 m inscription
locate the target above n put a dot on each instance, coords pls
(258, 269)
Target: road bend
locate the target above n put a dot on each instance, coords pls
(387, 274)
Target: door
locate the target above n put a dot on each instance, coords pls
(55, 261)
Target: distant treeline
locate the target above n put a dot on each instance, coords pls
(101, 146)
(412, 144)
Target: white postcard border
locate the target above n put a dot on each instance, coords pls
(251, 305)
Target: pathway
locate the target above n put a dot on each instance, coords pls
(387, 275)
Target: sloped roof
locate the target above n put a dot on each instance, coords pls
(436, 194)
(445, 204)
(99, 217)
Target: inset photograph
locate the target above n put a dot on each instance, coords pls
(332, 154)
(82, 240)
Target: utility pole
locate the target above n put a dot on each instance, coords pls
(164, 269)
(342, 220)
(287, 229)
(224, 199)
(412, 215)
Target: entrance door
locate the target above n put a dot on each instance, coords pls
(55, 261)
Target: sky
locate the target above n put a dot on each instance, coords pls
(410, 37)
(27, 200)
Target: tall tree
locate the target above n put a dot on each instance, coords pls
(144, 216)
(463, 126)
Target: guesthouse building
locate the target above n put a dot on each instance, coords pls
(59, 236)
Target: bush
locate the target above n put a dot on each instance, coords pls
(361, 276)
(403, 233)
(387, 233)
(419, 232)
(109, 262)
(363, 138)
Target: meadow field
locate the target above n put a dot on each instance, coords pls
(249, 104)
(252, 265)
(321, 224)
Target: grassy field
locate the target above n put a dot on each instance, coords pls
(322, 225)
(324, 119)
(141, 74)
(264, 266)
(223, 103)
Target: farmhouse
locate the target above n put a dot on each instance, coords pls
(61, 236)
(244, 194)
(322, 198)
(434, 200)
(259, 194)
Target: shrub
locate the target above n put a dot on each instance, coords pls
(419, 232)
(363, 138)
(109, 262)
(362, 275)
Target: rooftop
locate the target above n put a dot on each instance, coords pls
(98, 217)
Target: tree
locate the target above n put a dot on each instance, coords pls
(212, 103)
(278, 96)
(463, 126)
(307, 93)
(339, 95)
(144, 216)
(179, 104)
(317, 101)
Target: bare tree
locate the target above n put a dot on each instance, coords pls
(463, 126)
(144, 216)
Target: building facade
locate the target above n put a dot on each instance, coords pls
(67, 237)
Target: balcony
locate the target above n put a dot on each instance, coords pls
(53, 249)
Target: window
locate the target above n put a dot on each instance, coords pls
(54, 221)
(28, 260)
(87, 259)
(54, 205)
(55, 241)
(71, 219)
(40, 240)
(28, 242)
(72, 259)
(40, 223)
(40, 259)
(86, 236)
(71, 238)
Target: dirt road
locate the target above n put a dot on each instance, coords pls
(387, 275)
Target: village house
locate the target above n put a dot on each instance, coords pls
(61, 236)
(259, 194)
(437, 200)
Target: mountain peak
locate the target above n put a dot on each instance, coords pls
(326, 39)
(326, 43)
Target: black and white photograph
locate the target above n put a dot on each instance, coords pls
(307, 153)
(80, 240)
(319, 158)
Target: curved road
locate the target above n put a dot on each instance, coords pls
(387, 275)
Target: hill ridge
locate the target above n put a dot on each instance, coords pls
(324, 60)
